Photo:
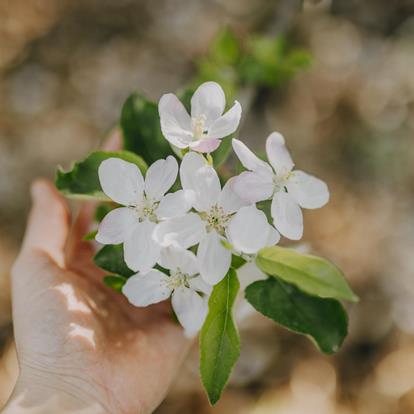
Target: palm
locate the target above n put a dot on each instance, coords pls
(125, 356)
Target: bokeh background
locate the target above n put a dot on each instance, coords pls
(342, 93)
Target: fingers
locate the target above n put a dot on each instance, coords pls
(48, 225)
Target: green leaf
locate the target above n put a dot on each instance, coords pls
(82, 180)
(311, 274)
(91, 235)
(111, 259)
(141, 129)
(237, 262)
(324, 321)
(222, 152)
(219, 339)
(115, 282)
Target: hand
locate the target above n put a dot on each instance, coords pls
(81, 345)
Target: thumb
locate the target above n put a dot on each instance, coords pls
(48, 225)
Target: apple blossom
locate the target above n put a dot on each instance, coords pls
(207, 125)
(183, 284)
(145, 204)
(288, 189)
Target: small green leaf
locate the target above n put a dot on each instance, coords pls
(219, 339)
(311, 274)
(237, 262)
(115, 282)
(90, 236)
(323, 320)
(82, 180)
(111, 259)
(141, 129)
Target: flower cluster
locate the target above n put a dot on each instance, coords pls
(181, 243)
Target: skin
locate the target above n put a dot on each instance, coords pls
(81, 346)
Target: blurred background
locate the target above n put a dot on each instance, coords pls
(335, 77)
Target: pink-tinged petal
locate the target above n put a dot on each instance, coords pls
(229, 198)
(175, 121)
(141, 252)
(249, 230)
(175, 204)
(213, 258)
(175, 258)
(287, 216)
(145, 289)
(209, 101)
(183, 231)
(117, 226)
(160, 176)
(191, 310)
(307, 190)
(278, 154)
(253, 187)
(249, 160)
(205, 145)
(227, 123)
(121, 181)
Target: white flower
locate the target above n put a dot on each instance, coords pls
(203, 130)
(289, 190)
(182, 285)
(145, 205)
(215, 224)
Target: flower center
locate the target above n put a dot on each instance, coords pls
(177, 278)
(217, 219)
(198, 127)
(279, 181)
(146, 209)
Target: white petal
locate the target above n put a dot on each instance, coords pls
(175, 204)
(174, 258)
(249, 160)
(249, 230)
(160, 176)
(182, 231)
(229, 198)
(208, 100)
(175, 121)
(307, 190)
(287, 216)
(273, 238)
(227, 123)
(205, 145)
(278, 154)
(200, 177)
(145, 289)
(141, 252)
(117, 226)
(248, 274)
(197, 283)
(191, 310)
(121, 181)
(213, 258)
(253, 187)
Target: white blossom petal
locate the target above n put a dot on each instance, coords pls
(278, 154)
(141, 252)
(273, 238)
(249, 160)
(200, 177)
(191, 310)
(249, 230)
(229, 198)
(307, 190)
(175, 204)
(117, 226)
(121, 181)
(205, 145)
(197, 283)
(160, 176)
(182, 231)
(287, 216)
(209, 101)
(144, 289)
(248, 274)
(174, 258)
(253, 187)
(175, 121)
(213, 258)
(227, 123)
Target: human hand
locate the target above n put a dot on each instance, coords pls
(80, 345)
